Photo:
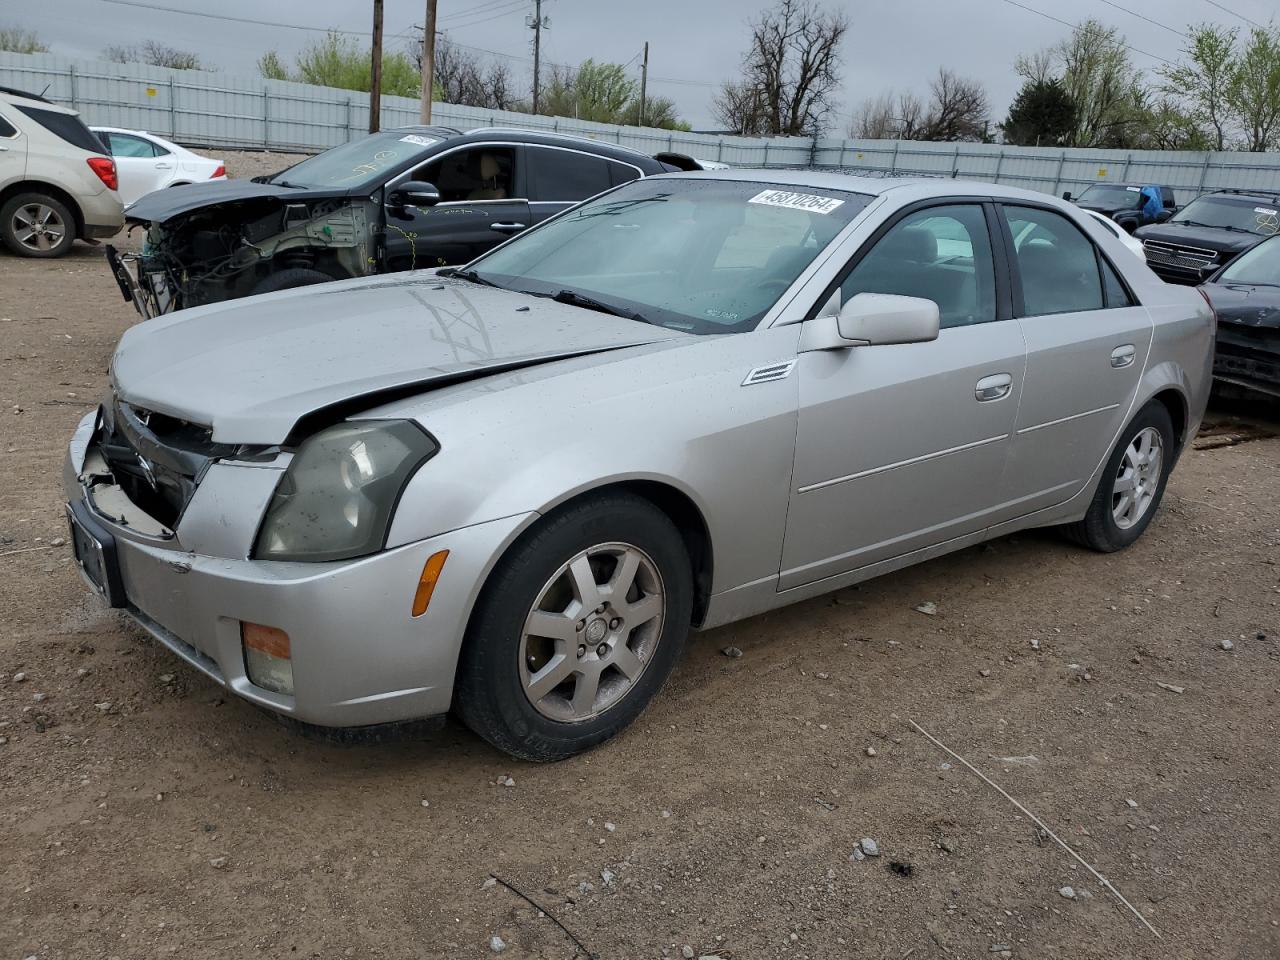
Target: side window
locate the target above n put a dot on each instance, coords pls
(123, 145)
(942, 254)
(481, 173)
(566, 176)
(1058, 263)
(620, 173)
(7, 129)
(1113, 288)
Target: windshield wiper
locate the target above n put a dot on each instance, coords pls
(575, 299)
(470, 275)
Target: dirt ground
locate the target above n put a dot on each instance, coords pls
(144, 812)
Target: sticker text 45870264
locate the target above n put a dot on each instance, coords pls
(796, 201)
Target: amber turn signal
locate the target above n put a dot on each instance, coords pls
(272, 641)
(427, 582)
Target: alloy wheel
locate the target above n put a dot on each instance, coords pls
(592, 632)
(38, 226)
(1138, 479)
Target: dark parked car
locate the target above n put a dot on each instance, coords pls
(396, 200)
(1246, 296)
(1124, 202)
(1208, 233)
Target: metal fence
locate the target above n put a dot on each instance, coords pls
(218, 110)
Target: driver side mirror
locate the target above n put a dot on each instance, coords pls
(415, 193)
(873, 319)
(1164, 215)
(1067, 196)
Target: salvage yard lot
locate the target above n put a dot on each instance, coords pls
(144, 812)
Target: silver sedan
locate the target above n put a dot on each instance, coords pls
(511, 489)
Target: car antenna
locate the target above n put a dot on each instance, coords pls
(46, 89)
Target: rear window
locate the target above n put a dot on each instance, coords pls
(564, 175)
(67, 126)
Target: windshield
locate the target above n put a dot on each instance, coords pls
(1259, 265)
(356, 164)
(1238, 214)
(699, 255)
(1111, 196)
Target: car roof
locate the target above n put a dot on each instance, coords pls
(23, 98)
(922, 187)
(551, 139)
(1246, 196)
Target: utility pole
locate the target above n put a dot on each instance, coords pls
(537, 23)
(375, 76)
(428, 60)
(644, 80)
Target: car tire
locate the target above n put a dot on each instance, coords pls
(47, 215)
(502, 690)
(289, 278)
(1138, 468)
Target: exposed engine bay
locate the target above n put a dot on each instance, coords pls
(229, 250)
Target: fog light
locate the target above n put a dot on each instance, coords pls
(267, 657)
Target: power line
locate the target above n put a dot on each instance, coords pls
(495, 14)
(223, 16)
(482, 8)
(1234, 14)
(1074, 26)
(1143, 16)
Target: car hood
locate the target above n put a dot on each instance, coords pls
(162, 206)
(251, 369)
(1209, 238)
(1246, 304)
(1104, 208)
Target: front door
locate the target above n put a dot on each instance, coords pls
(138, 168)
(902, 447)
(1087, 344)
(480, 207)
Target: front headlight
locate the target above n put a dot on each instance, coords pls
(335, 500)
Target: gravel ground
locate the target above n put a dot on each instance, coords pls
(144, 812)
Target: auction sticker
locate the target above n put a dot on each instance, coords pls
(420, 141)
(1265, 210)
(796, 201)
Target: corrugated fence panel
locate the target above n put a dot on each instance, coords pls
(220, 110)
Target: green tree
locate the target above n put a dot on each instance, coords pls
(1203, 78)
(17, 40)
(602, 91)
(658, 112)
(1253, 93)
(1042, 115)
(1167, 125)
(338, 61)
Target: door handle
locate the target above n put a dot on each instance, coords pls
(164, 166)
(1123, 356)
(507, 228)
(994, 387)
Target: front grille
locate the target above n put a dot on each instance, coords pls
(1176, 255)
(155, 459)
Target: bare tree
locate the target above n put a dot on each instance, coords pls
(958, 110)
(465, 78)
(155, 55)
(889, 117)
(791, 72)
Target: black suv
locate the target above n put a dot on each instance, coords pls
(1123, 203)
(401, 199)
(1208, 233)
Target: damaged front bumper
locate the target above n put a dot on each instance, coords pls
(150, 291)
(358, 655)
(1248, 356)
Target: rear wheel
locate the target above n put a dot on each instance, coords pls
(1132, 484)
(577, 629)
(37, 225)
(289, 278)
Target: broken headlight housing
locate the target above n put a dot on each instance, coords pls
(336, 499)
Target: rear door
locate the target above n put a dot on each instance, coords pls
(139, 165)
(13, 152)
(559, 177)
(1087, 344)
(482, 204)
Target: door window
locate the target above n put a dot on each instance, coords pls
(480, 173)
(1058, 263)
(124, 145)
(942, 254)
(1116, 293)
(565, 175)
(7, 129)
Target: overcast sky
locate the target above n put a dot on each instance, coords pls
(694, 44)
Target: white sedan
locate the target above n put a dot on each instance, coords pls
(145, 162)
(1120, 233)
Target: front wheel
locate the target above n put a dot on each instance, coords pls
(577, 629)
(1132, 483)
